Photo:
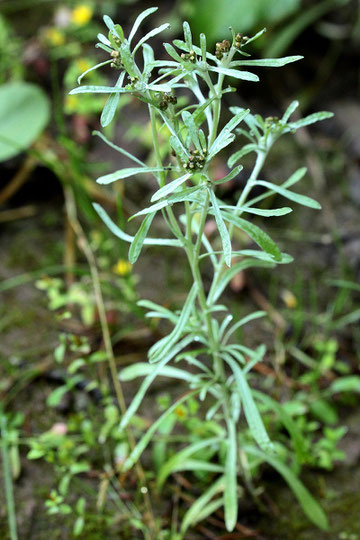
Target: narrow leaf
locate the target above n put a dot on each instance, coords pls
(151, 34)
(252, 415)
(118, 148)
(170, 188)
(267, 62)
(194, 513)
(230, 496)
(111, 104)
(137, 243)
(126, 237)
(229, 176)
(224, 233)
(92, 69)
(139, 396)
(310, 506)
(296, 197)
(174, 463)
(237, 74)
(142, 369)
(255, 233)
(144, 441)
(139, 20)
(290, 110)
(126, 173)
(241, 153)
(311, 119)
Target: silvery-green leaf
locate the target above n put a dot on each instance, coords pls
(229, 176)
(137, 243)
(258, 235)
(128, 60)
(192, 129)
(267, 62)
(184, 47)
(224, 233)
(100, 90)
(126, 237)
(196, 510)
(237, 74)
(261, 255)
(141, 369)
(203, 47)
(162, 347)
(139, 396)
(174, 463)
(295, 177)
(172, 52)
(187, 34)
(179, 148)
(256, 36)
(296, 197)
(242, 322)
(144, 441)
(126, 173)
(111, 104)
(311, 119)
(310, 506)
(230, 495)
(267, 213)
(118, 148)
(103, 47)
(160, 310)
(240, 153)
(290, 110)
(231, 272)
(139, 20)
(252, 414)
(103, 39)
(111, 26)
(225, 136)
(151, 34)
(92, 69)
(170, 188)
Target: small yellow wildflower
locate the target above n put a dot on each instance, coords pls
(82, 65)
(54, 37)
(122, 267)
(81, 14)
(71, 103)
(180, 412)
(289, 299)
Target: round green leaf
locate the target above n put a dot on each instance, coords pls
(24, 113)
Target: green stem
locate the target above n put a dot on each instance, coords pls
(9, 494)
(261, 156)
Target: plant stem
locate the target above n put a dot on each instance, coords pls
(261, 156)
(9, 494)
(86, 249)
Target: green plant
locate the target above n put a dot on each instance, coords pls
(202, 335)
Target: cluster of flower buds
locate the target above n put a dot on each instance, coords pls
(116, 63)
(196, 160)
(240, 40)
(273, 123)
(191, 57)
(166, 99)
(221, 48)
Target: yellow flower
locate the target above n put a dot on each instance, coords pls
(55, 37)
(82, 65)
(289, 299)
(82, 14)
(122, 267)
(71, 103)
